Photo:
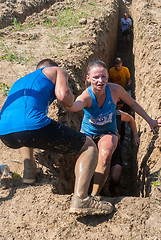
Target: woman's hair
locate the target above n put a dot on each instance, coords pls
(46, 63)
(97, 63)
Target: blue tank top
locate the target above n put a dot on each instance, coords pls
(26, 106)
(99, 121)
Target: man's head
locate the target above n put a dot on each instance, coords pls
(125, 16)
(46, 63)
(118, 64)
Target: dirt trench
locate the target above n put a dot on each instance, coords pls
(147, 51)
(41, 211)
(103, 42)
(109, 45)
(103, 48)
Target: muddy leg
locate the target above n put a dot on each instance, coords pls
(84, 170)
(30, 170)
(85, 167)
(106, 146)
(27, 156)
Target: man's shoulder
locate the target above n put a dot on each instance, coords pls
(112, 70)
(125, 69)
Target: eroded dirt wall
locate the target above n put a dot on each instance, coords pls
(147, 50)
(19, 9)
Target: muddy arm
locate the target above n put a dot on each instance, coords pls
(138, 109)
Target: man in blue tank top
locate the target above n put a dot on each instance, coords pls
(24, 123)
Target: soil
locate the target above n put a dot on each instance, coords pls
(74, 33)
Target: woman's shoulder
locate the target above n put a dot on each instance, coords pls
(113, 85)
(85, 93)
(114, 88)
(85, 96)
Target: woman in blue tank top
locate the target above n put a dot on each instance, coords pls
(99, 122)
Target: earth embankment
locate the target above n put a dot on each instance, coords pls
(147, 51)
(9, 10)
(37, 212)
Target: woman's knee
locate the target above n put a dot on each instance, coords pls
(89, 144)
(106, 155)
(108, 142)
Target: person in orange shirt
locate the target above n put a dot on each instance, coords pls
(119, 74)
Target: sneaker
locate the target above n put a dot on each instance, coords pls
(29, 175)
(89, 205)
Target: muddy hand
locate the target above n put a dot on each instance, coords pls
(155, 123)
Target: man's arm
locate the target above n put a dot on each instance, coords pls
(125, 117)
(62, 90)
(129, 24)
(128, 78)
(129, 81)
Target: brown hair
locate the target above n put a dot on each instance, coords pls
(97, 63)
(46, 63)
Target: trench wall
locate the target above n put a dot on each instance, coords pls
(10, 9)
(147, 51)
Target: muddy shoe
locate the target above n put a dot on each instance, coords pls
(90, 206)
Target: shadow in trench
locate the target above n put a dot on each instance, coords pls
(128, 183)
(145, 185)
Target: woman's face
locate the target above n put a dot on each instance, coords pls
(98, 77)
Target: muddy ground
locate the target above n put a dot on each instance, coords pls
(73, 34)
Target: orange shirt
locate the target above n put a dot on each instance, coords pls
(119, 77)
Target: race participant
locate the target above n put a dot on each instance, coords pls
(120, 74)
(31, 170)
(116, 161)
(126, 25)
(24, 123)
(99, 104)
